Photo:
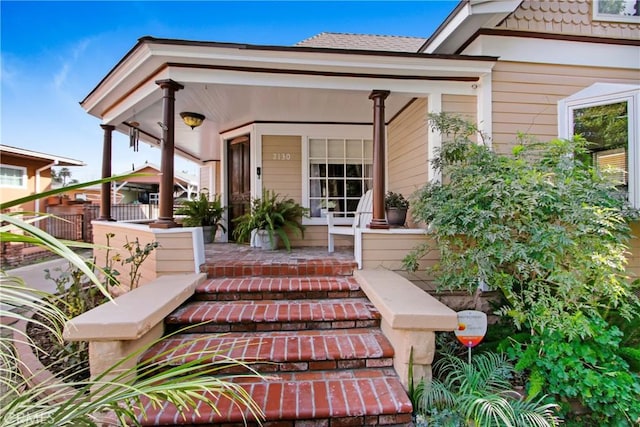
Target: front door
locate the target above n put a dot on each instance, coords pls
(238, 178)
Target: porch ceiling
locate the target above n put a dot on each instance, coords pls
(229, 106)
(234, 85)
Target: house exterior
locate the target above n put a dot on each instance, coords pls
(26, 172)
(337, 114)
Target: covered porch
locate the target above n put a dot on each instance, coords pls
(301, 121)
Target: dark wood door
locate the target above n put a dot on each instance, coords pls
(238, 178)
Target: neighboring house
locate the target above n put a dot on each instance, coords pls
(26, 172)
(310, 120)
(141, 189)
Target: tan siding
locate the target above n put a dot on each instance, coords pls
(174, 253)
(407, 138)
(388, 250)
(282, 165)
(464, 105)
(316, 235)
(525, 96)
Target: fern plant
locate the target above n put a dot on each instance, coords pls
(274, 214)
(478, 394)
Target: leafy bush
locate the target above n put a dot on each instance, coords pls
(590, 371)
(551, 234)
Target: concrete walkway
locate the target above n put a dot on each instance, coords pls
(34, 276)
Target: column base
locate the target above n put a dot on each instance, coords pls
(378, 224)
(164, 223)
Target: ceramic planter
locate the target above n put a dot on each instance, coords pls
(396, 216)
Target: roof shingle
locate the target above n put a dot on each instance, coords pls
(363, 42)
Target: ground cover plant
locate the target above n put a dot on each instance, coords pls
(550, 232)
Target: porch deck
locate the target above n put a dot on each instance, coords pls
(232, 259)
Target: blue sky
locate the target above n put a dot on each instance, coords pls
(54, 53)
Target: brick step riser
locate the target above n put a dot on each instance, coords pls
(275, 326)
(320, 365)
(258, 296)
(397, 420)
(275, 270)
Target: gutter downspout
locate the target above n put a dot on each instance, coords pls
(37, 189)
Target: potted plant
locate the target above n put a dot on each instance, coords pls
(205, 213)
(396, 207)
(269, 219)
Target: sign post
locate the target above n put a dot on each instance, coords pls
(472, 327)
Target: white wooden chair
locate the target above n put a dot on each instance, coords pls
(363, 216)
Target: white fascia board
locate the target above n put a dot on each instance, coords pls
(115, 83)
(319, 61)
(558, 52)
(410, 87)
(143, 97)
(470, 18)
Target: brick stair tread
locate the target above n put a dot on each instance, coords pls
(278, 284)
(358, 394)
(246, 311)
(311, 347)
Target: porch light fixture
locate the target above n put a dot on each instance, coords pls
(192, 120)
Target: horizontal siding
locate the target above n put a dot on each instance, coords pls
(316, 236)
(525, 96)
(282, 165)
(464, 105)
(407, 137)
(387, 251)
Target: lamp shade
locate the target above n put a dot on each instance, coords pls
(192, 120)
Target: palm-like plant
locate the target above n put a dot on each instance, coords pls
(478, 394)
(202, 212)
(121, 400)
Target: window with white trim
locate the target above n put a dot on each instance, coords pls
(606, 115)
(13, 176)
(616, 11)
(339, 172)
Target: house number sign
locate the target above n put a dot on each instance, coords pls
(281, 156)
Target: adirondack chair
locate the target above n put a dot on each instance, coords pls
(363, 216)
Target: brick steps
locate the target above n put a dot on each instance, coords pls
(285, 351)
(276, 315)
(292, 267)
(304, 324)
(326, 398)
(270, 288)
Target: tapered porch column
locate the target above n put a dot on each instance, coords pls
(379, 219)
(105, 193)
(165, 216)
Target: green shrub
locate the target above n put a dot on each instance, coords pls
(550, 233)
(589, 370)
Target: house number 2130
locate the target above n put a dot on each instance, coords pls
(281, 156)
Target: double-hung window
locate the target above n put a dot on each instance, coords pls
(340, 171)
(607, 116)
(13, 176)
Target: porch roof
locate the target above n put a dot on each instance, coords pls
(236, 84)
(42, 157)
